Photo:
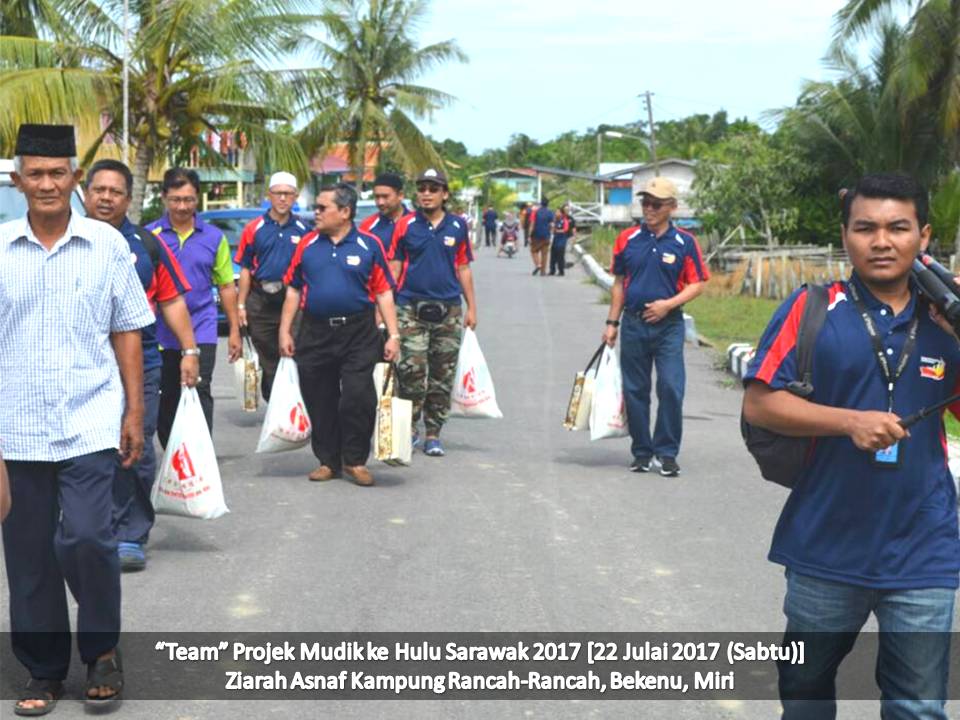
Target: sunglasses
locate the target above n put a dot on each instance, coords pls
(653, 204)
(429, 188)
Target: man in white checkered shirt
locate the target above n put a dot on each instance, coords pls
(71, 394)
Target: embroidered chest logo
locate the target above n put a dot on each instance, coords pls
(449, 241)
(353, 259)
(669, 258)
(839, 297)
(932, 368)
(295, 239)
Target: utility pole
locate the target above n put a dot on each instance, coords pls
(126, 82)
(653, 133)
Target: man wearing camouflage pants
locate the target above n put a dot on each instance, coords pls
(430, 256)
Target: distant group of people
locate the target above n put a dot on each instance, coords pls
(545, 231)
(106, 321)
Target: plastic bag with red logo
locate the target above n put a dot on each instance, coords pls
(473, 394)
(189, 480)
(286, 425)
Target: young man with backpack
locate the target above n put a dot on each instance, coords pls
(108, 189)
(870, 525)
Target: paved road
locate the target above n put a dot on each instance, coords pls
(522, 527)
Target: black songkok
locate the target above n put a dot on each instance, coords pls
(391, 180)
(46, 141)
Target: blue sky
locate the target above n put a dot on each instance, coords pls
(542, 68)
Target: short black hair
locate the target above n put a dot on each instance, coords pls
(344, 196)
(389, 179)
(113, 166)
(545, 201)
(177, 177)
(895, 185)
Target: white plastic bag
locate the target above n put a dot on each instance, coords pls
(608, 416)
(473, 393)
(286, 425)
(189, 480)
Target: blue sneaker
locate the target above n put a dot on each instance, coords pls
(132, 557)
(415, 439)
(433, 448)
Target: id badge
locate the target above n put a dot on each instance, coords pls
(888, 457)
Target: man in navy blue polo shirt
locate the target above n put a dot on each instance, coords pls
(489, 226)
(266, 248)
(540, 221)
(109, 188)
(657, 267)
(388, 195)
(871, 525)
(430, 256)
(336, 277)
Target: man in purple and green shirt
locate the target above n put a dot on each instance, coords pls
(204, 255)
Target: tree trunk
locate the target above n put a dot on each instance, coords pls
(142, 161)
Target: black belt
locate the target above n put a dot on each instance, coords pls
(339, 320)
(258, 286)
(639, 313)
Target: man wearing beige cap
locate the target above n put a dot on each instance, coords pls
(657, 267)
(266, 248)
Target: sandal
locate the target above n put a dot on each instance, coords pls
(107, 673)
(49, 691)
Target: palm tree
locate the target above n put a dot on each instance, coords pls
(194, 65)
(927, 71)
(368, 93)
(856, 124)
(927, 75)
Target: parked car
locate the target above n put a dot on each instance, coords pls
(13, 204)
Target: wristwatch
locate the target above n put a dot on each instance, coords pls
(190, 351)
(613, 323)
(241, 306)
(394, 337)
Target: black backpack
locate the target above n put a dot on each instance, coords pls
(149, 241)
(780, 457)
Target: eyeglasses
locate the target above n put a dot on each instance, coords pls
(286, 195)
(429, 188)
(111, 192)
(653, 204)
(181, 200)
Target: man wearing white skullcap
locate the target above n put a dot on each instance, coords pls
(266, 249)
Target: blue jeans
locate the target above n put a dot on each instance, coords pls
(133, 512)
(644, 345)
(914, 647)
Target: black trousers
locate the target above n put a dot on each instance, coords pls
(335, 365)
(263, 324)
(557, 257)
(60, 528)
(170, 388)
(489, 236)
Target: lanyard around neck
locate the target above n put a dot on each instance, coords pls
(889, 379)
